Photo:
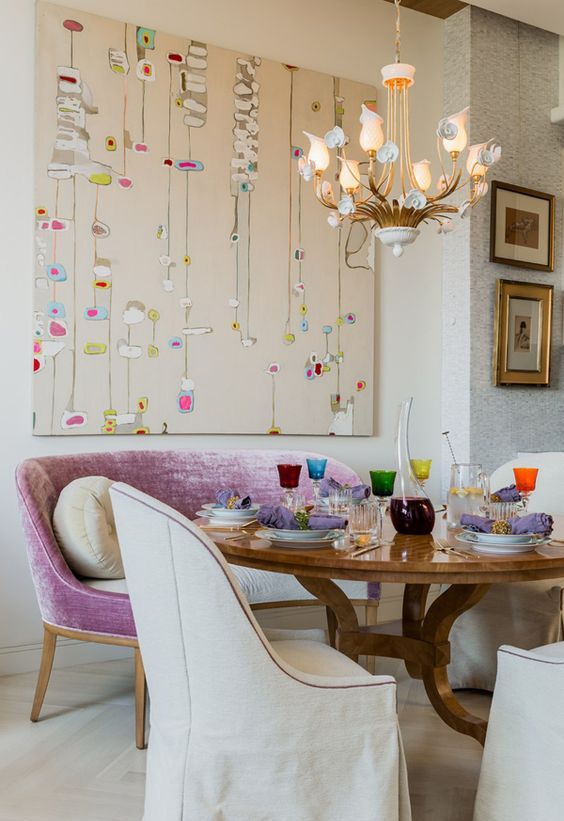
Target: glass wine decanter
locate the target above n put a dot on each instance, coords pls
(411, 510)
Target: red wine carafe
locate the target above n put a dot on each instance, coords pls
(411, 510)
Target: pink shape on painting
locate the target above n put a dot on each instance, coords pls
(140, 148)
(125, 182)
(56, 225)
(73, 25)
(56, 329)
(187, 164)
(185, 402)
(74, 420)
(37, 347)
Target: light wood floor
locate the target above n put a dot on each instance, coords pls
(80, 763)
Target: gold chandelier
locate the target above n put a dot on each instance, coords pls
(366, 188)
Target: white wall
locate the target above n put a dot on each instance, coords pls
(351, 40)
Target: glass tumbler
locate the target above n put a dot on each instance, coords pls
(340, 501)
(363, 523)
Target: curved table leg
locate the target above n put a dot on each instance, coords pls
(435, 629)
(339, 604)
(413, 613)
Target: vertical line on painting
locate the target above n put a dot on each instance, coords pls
(143, 113)
(74, 323)
(249, 264)
(128, 371)
(290, 208)
(71, 50)
(168, 157)
(53, 396)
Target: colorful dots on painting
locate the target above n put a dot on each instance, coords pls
(162, 232)
(297, 152)
(316, 106)
(72, 25)
(299, 254)
(234, 237)
(118, 61)
(56, 310)
(303, 309)
(244, 187)
(235, 326)
(141, 148)
(56, 272)
(57, 328)
(145, 71)
(274, 431)
(140, 431)
(168, 162)
(309, 372)
(101, 270)
(249, 341)
(178, 102)
(273, 368)
(96, 313)
(100, 178)
(327, 329)
(153, 315)
(125, 183)
(289, 339)
(185, 398)
(40, 211)
(187, 260)
(53, 225)
(304, 325)
(102, 284)
(175, 58)
(152, 351)
(142, 404)
(38, 363)
(189, 165)
(111, 143)
(73, 419)
(299, 288)
(339, 358)
(318, 368)
(100, 230)
(176, 342)
(95, 348)
(360, 385)
(350, 319)
(145, 37)
(340, 321)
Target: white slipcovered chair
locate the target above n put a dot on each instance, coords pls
(243, 728)
(524, 614)
(521, 774)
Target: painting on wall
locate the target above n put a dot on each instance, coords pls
(522, 227)
(185, 279)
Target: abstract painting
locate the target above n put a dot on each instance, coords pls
(186, 279)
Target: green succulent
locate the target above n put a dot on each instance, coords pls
(302, 518)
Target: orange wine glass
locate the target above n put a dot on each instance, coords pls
(526, 482)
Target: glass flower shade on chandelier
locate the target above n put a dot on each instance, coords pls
(366, 188)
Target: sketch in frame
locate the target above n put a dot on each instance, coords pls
(523, 324)
(522, 227)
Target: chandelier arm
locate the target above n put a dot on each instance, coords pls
(410, 172)
(318, 183)
(440, 156)
(402, 137)
(452, 187)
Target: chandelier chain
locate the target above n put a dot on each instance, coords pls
(398, 31)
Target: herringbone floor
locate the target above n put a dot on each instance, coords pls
(80, 763)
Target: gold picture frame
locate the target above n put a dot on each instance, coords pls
(522, 227)
(522, 333)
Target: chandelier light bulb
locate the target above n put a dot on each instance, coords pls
(455, 125)
(371, 133)
(318, 152)
(472, 165)
(422, 172)
(349, 178)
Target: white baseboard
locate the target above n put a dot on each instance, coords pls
(25, 658)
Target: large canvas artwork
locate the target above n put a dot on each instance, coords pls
(186, 279)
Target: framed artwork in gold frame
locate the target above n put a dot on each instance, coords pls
(522, 333)
(522, 227)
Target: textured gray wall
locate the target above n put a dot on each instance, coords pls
(508, 73)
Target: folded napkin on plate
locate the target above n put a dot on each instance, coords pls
(520, 525)
(232, 499)
(506, 494)
(357, 491)
(281, 518)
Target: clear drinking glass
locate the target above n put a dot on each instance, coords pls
(383, 488)
(316, 472)
(340, 501)
(363, 523)
(469, 492)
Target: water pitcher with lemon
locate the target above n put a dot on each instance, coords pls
(469, 492)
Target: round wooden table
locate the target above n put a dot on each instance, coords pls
(421, 637)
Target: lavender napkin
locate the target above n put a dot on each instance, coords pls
(506, 494)
(281, 518)
(223, 497)
(358, 491)
(479, 524)
(532, 523)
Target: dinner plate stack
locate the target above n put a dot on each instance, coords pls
(501, 543)
(299, 538)
(224, 516)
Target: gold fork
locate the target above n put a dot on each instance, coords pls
(444, 547)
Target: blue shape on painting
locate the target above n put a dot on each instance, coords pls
(176, 342)
(304, 325)
(56, 272)
(189, 165)
(56, 310)
(96, 312)
(145, 37)
(327, 329)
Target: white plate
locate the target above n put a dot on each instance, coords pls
(222, 512)
(220, 521)
(326, 541)
(495, 548)
(500, 538)
(301, 535)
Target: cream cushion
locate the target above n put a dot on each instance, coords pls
(83, 522)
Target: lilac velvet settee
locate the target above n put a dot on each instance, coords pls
(99, 610)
